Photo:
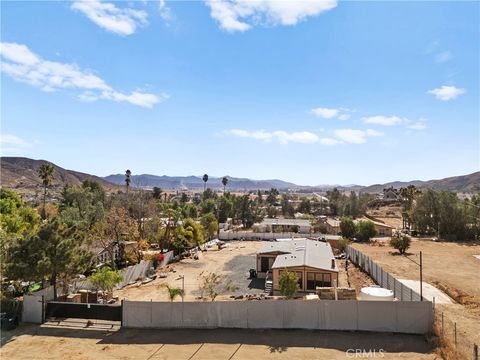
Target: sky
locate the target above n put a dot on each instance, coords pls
(315, 92)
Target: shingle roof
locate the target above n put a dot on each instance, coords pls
(301, 252)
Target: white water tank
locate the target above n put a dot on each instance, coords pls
(376, 294)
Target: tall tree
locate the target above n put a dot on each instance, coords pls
(157, 192)
(224, 182)
(45, 172)
(51, 254)
(205, 179)
(128, 179)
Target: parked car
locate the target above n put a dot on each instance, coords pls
(8, 321)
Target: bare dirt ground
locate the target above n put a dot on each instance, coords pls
(451, 267)
(45, 342)
(390, 215)
(234, 261)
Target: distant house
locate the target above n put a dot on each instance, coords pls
(382, 228)
(285, 225)
(311, 260)
(103, 252)
(333, 226)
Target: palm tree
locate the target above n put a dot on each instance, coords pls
(173, 292)
(45, 172)
(224, 182)
(128, 179)
(205, 179)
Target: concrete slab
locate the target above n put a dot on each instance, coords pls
(429, 291)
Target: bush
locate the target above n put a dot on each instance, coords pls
(401, 243)
(365, 230)
(347, 227)
(343, 243)
(288, 282)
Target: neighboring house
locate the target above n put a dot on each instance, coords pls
(390, 194)
(103, 252)
(383, 229)
(333, 226)
(311, 260)
(285, 225)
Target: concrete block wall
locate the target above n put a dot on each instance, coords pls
(393, 316)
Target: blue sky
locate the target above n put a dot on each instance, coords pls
(314, 92)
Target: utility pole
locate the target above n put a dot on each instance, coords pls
(421, 277)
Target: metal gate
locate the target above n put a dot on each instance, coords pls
(64, 310)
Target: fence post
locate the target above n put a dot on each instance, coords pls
(401, 292)
(455, 334)
(381, 277)
(475, 352)
(411, 294)
(442, 323)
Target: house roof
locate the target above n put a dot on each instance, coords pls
(286, 222)
(301, 252)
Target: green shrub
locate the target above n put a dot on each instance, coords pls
(400, 242)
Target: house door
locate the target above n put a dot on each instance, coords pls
(264, 264)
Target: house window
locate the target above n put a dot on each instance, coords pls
(300, 280)
(318, 279)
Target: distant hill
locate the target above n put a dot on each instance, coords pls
(20, 173)
(196, 182)
(464, 183)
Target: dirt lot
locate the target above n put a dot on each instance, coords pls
(390, 215)
(44, 342)
(234, 261)
(451, 267)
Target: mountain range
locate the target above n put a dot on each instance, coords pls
(20, 174)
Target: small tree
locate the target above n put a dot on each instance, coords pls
(400, 242)
(347, 227)
(288, 282)
(365, 230)
(214, 284)
(173, 292)
(105, 279)
(343, 243)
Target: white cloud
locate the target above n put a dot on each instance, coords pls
(355, 136)
(371, 132)
(325, 113)
(418, 125)
(111, 18)
(11, 145)
(304, 137)
(23, 65)
(283, 137)
(241, 15)
(446, 93)
(443, 57)
(165, 11)
(383, 120)
(344, 117)
(330, 113)
(329, 141)
(351, 136)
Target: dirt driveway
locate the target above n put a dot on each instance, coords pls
(234, 261)
(42, 342)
